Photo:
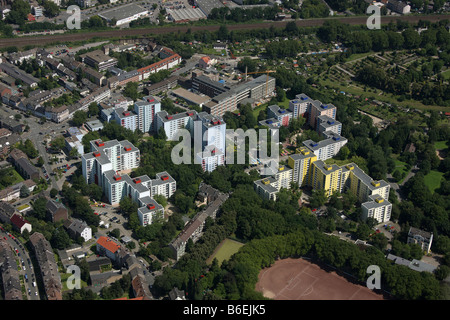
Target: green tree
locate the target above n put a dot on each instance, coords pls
(222, 33)
(131, 90)
(51, 9)
(40, 162)
(24, 191)
(318, 198)
(79, 117)
(53, 192)
(60, 239)
(247, 64)
(379, 241)
(39, 208)
(58, 143)
(115, 233)
(93, 109)
(363, 231)
(161, 200)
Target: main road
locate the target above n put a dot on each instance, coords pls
(120, 33)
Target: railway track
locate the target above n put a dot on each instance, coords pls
(69, 37)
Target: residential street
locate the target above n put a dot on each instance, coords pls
(25, 265)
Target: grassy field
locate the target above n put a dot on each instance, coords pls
(259, 108)
(65, 277)
(446, 74)
(433, 180)
(225, 250)
(401, 166)
(440, 145)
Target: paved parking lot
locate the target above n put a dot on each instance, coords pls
(111, 215)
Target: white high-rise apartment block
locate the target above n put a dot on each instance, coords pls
(284, 176)
(103, 165)
(210, 158)
(213, 131)
(125, 118)
(149, 211)
(118, 186)
(213, 137)
(327, 124)
(175, 122)
(146, 110)
(106, 156)
(300, 106)
(163, 185)
(328, 148)
(378, 208)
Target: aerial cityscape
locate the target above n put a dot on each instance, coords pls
(240, 150)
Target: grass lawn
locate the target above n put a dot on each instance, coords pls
(440, 145)
(433, 180)
(284, 104)
(259, 108)
(65, 277)
(446, 74)
(400, 165)
(225, 250)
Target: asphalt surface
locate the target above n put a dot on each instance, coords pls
(118, 33)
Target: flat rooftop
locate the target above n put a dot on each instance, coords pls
(98, 56)
(122, 12)
(186, 14)
(190, 96)
(207, 5)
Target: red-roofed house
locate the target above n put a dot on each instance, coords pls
(20, 223)
(205, 62)
(107, 247)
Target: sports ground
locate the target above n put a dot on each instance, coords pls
(299, 279)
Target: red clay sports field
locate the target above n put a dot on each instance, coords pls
(299, 279)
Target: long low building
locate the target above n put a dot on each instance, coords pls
(225, 98)
(19, 74)
(124, 14)
(8, 270)
(169, 60)
(162, 86)
(190, 97)
(47, 266)
(185, 15)
(193, 229)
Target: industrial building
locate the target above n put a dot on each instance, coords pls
(123, 14)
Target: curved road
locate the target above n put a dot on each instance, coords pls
(118, 33)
